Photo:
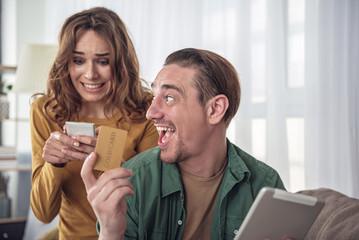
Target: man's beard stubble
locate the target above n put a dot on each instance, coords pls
(180, 154)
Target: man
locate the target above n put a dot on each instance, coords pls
(195, 184)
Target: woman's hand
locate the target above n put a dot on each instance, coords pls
(60, 148)
(107, 197)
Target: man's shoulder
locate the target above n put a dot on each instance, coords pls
(257, 169)
(147, 158)
(235, 152)
(248, 159)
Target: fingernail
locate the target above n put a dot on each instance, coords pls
(76, 144)
(57, 136)
(64, 151)
(90, 155)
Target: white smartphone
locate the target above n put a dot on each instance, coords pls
(276, 214)
(80, 129)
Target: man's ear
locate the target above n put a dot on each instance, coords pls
(217, 108)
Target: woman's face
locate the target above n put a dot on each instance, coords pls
(90, 70)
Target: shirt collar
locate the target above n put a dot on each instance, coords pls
(236, 166)
(172, 181)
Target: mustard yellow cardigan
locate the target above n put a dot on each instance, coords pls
(60, 191)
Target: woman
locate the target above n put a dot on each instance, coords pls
(95, 78)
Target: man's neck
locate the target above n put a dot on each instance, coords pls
(209, 163)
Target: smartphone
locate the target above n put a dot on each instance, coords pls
(80, 129)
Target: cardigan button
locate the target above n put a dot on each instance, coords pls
(179, 222)
(235, 232)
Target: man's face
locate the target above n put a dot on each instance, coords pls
(179, 117)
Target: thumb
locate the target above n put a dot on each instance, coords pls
(86, 172)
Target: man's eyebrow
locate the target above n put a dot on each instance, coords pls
(169, 86)
(98, 54)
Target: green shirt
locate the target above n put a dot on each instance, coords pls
(156, 210)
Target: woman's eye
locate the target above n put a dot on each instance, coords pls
(169, 99)
(78, 61)
(104, 62)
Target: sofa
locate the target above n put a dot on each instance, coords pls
(339, 218)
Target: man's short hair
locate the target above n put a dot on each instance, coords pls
(214, 75)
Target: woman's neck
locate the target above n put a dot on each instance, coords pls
(96, 110)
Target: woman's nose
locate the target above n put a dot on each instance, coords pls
(91, 72)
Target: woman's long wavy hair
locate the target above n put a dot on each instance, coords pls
(126, 93)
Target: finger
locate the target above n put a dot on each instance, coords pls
(91, 141)
(76, 155)
(54, 159)
(115, 189)
(86, 171)
(97, 131)
(64, 139)
(113, 174)
(52, 154)
(118, 196)
(78, 151)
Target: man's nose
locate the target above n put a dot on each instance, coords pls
(155, 111)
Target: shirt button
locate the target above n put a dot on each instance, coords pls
(179, 222)
(235, 231)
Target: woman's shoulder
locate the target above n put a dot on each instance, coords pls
(38, 102)
(41, 100)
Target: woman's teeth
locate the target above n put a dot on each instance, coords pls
(92, 86)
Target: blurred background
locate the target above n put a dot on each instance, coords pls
(298, 63)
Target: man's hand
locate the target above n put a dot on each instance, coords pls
(107, 197)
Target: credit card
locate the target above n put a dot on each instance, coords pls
(109, 148)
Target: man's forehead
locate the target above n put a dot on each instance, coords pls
(164, 85)
(173, 76)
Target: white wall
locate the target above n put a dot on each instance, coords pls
(23, 22)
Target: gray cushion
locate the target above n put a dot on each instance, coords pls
(339, 218)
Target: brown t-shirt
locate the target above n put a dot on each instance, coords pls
(200, 200)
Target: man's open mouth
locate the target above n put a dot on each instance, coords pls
(164, 134)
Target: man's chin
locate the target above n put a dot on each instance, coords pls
(166, 158)
(173, 155)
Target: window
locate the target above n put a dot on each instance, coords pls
(268, 109)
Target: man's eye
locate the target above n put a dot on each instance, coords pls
(169, 99)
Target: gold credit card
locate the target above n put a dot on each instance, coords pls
(109, 148)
